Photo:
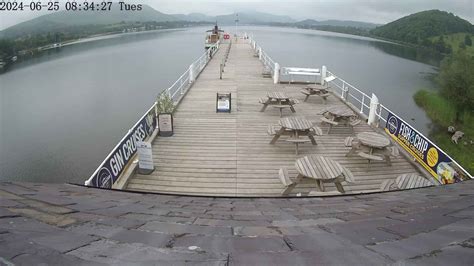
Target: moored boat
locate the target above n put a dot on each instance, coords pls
(213, 36)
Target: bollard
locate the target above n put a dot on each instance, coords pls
(221, 69)
(374, 103)
(323, 74)
(276, 74)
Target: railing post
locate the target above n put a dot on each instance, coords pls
(323, 74)
(344, 91)
(362, 104)
(260, 53)
(191, 73)
(276, 74)
(374, 103)
(181, 87)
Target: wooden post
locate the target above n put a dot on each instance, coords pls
(221, 69)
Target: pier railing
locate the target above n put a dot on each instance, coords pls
(437, 162)
(117, 162)
(268, 62)
(184, 82)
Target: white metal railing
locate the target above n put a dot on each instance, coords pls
(268, 62)
(184, 82)
(351, 94)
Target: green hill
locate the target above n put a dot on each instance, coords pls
(337, 23)
(64, 20)
(419, 27)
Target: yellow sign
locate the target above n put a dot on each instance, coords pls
(432, 157)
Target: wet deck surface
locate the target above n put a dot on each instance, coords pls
(58, 224)
(229, 154)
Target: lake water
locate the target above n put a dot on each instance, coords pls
(62, 113)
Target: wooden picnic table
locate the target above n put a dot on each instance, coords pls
(319, 91)
(373, 140)
(279, 96)
(296, 127)
(278, 100)
(340, 112)
(322, 169)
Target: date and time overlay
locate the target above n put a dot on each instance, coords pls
(49, 5)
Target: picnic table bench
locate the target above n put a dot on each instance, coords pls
(339, 115)
(321, 92)
(367, 143)
(405, 181)
(295, 127)
(278, 100)
(319, 168)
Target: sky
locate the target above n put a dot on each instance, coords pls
(375, 11)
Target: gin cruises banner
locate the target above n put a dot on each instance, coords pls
(433, 159)
(115, 164)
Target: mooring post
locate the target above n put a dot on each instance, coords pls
(276, 74)
(374, 103)
(191, 73)
(323, 74)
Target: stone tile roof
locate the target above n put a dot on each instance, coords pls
(68, 225)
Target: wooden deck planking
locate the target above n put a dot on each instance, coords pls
(230, 155)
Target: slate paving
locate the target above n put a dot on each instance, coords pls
(62, 224)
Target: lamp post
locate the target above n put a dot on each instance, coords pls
(236, 21)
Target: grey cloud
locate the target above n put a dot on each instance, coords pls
(376, 11)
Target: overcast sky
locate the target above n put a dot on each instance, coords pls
(376, 11)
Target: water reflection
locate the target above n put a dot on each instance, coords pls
(422, 55)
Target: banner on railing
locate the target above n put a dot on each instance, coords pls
(111, 169)
(433, 159)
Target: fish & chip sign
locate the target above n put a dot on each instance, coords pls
(433, 159)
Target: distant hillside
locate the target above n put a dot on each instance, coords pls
(194, 17)
(253, 18)
(418, 27)
(229, 19)
(65, 19)
(337, 23)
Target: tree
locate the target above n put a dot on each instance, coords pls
(457, 81)
(467, 40)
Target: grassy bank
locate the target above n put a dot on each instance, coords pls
(442, 113)
(455, 40)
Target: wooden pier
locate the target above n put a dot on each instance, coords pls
(228, 154)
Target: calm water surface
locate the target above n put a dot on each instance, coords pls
(62, 113)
